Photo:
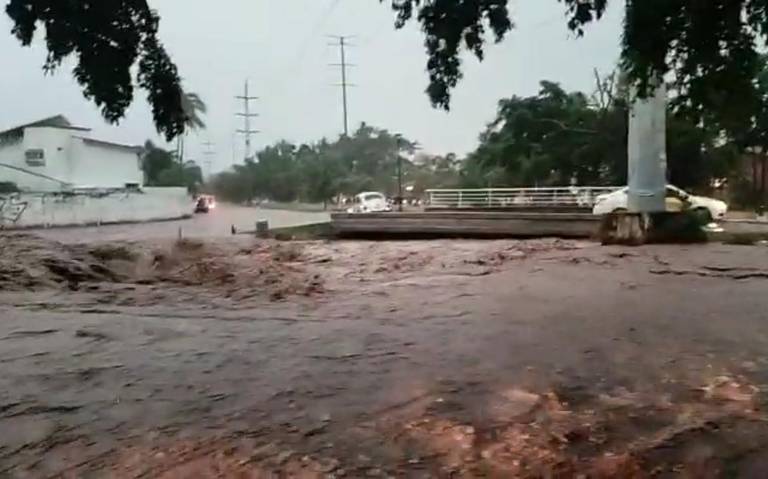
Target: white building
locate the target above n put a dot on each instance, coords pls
(53, 155)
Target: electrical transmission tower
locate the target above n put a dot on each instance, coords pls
(208, 153)
(342, 43)
(247, 115)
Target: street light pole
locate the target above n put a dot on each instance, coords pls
(398, 143)
(400, 180)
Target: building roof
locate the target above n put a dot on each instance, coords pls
(57, 121)
(109, 144)
(60, 121)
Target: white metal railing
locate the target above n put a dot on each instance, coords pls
(575, 196)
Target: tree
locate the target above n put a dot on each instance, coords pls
(156, 160)
(188, 175)
(192, 175)
(194, 107)
(107, 39)
(276, 172)
(231, 186)
(549, 139)
(433, 171)
(709, 48)
(557, 138)
(320, 174)
(316, 173)
(755, 140)
(161, 169)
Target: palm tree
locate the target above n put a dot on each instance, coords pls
(194, 107)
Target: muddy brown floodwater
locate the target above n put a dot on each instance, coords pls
(255, 359)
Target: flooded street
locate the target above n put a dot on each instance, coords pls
(242, 358)
(217, 223)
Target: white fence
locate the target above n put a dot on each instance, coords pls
(576, 197)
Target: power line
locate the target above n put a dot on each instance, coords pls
(247, 115)
(290, 73)
(312, 35)
(343, 44)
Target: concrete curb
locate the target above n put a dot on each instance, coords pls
(93, 223)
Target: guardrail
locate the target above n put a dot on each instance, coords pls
(575, 197)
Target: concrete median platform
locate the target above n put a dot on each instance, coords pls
(465, 224)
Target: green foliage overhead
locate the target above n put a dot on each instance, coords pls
(449, 26)
(107, 38)
(709, 47)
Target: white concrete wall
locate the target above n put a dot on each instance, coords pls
(101, 166)
(57, 210)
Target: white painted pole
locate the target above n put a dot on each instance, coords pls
(647, 151)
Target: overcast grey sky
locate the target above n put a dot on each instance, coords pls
(280, 45)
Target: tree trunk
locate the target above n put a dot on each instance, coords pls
(762, 178)
(755, 186)
(180, 149)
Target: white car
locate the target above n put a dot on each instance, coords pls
(370, 202)
(677, 200)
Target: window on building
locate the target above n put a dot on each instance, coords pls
(35, 157)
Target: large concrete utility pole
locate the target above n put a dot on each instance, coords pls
(646, 172)
(647, 152)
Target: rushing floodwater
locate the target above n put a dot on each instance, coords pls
(218, 223)
(238, 357)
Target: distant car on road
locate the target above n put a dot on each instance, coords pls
(370, 202)
(710, 209)
(205, 203)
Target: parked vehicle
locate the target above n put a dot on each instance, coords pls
(205, 203)
(710, 209)
(370, 202)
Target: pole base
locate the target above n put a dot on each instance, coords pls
(623, 228)
(636, 229)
